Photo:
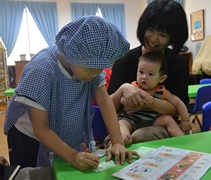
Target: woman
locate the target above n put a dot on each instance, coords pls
(162, 24)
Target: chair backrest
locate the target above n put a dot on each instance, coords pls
(205, 81)
(206, 116)
(98, 125)
(203, 95)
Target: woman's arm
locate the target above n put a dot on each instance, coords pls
(52, 141)
(136, 99)
(163, 107)
(132, 95)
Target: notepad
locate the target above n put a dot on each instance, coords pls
(8, 172)
(100, 152)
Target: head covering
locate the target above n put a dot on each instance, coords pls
(91, 42)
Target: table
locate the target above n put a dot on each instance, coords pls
(9, 92)
(195, 142)
(192, 89)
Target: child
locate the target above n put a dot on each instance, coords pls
(51, 112)
(151, 72)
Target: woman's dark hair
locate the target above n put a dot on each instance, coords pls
(158, 58)
(166, 16)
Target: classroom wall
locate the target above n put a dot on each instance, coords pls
(191, 6)
(133, 10)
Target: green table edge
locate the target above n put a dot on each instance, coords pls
(63, 170)
(9, 92)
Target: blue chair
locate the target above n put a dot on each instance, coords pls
(206, 116)
(205, 81)
(98, 125)
(203, 96)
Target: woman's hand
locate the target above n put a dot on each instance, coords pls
(120, 152)
(132, 109)
(3, 161)
(134, 96)
(85, 161)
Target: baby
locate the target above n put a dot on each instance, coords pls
(151, 73)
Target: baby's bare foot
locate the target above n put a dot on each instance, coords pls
(127, 139)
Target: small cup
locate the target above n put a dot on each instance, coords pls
(23, 57)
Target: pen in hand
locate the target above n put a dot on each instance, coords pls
(86, 149)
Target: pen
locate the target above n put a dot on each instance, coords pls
(86, 149)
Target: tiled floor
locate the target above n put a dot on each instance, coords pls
(3, 138)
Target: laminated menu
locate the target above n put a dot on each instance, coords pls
(167, 163)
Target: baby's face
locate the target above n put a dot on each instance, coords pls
(148, 75)
(85, 74)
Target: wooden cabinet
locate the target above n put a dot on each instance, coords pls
(189, 56)
(193, 78)
(19, 65)
(3, 74)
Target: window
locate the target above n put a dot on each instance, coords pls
(29, 41)
(99, 13)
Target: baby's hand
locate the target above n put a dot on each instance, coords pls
(85, 161)
(186, 126)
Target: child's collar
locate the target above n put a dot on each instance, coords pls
(64, 63)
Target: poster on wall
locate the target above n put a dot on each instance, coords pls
(197, 25)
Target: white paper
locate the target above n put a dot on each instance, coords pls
(142, 151)
(100, 152)
(104, 165)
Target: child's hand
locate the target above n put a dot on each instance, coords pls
(85, 161)
(186, 126)
(120, 152)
